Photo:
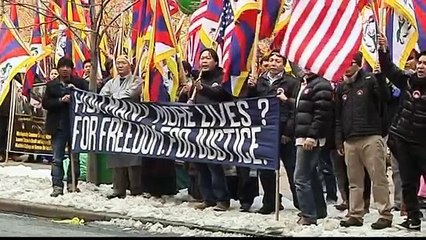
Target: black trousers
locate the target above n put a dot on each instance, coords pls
(412, 164)
(4, 121)
(243, 187)
(267, 177)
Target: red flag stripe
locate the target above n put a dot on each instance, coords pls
(323, 36)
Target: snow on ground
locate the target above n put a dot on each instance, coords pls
(24, 183)
(159, 228)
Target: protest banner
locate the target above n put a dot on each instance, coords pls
(242, 133)
(27, 133)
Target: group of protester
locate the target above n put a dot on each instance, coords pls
(329, 130)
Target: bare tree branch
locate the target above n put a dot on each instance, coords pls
(118, 15)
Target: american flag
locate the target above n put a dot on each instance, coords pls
(193, 39)
(324, 35)
(224, 36)
(203, 28)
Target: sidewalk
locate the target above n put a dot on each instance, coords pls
(26, 190)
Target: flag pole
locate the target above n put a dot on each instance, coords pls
(382, 15)
(256, 41)
(277, 194)
(11, 119)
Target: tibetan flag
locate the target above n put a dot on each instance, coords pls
(420, 10)
(281, 26)
(401, 30)
(237, 56)
(39, 51)
(53, 11)
(163, 78)
(270, 15)
(13, 55)
(369, 35)
(14, 13)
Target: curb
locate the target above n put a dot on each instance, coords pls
(63, 212)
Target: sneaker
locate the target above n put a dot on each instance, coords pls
(350, 222)
(204, 205)
(410, 224)
(222, 206)
(57, 191)
(382, 223)
(268, 210)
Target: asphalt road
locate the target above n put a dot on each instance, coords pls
(26, 226)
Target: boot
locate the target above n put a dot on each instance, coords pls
(266, 209)
(381, 224)
(351, 221)
(116, 195)
(306, 221)
(222, 206)
(341, 207)
(204, 205)
(57, 191)
(70, 190)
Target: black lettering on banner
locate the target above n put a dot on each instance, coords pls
(242, 133)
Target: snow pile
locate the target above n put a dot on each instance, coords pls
(159, 228)
(23, 183)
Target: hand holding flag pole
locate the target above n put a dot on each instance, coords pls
(194, 92)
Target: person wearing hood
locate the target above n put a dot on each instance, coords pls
(208, 89)
(408, 129)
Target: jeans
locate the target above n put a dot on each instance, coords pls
(308, 187)
(60, 140)
(267, 177)
(326, 170)
(213, 185)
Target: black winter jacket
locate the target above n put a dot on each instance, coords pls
(57, 111)
(314, 109)
(290, 85)
(212, 91)
(410, 120)
(360, 107)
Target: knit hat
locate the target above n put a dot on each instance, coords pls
(123, 58)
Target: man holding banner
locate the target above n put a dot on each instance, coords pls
(272, 82)
(56, 101)
(213, 185)
(126, 168)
